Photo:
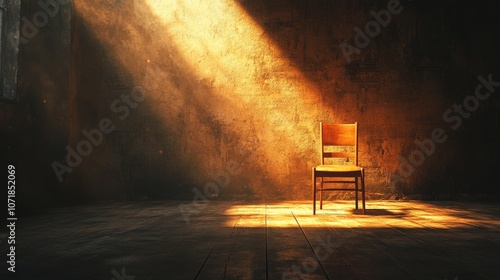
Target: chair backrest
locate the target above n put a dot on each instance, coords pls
(339, 135)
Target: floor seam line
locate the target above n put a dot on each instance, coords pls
(310, 246)
(203, 264)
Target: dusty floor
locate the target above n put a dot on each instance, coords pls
(259, 240)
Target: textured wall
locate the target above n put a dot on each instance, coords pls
(246, 83)
(163, 96)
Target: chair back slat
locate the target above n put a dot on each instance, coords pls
(345, 135)
(339, 154)
(339, 134)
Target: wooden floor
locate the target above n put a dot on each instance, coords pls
(259, 240)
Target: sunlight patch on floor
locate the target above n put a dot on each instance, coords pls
(341, 214)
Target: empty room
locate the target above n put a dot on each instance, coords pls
(249, 139)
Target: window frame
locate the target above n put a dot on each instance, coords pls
(9, 48)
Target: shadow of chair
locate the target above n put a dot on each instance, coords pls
(339, 144)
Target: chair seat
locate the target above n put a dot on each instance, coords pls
(337, 168)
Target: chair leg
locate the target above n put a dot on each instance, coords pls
(321, 195)
(363, 189)
(314, 190)
(356, 184)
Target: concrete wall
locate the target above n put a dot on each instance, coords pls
(160, 97)
(259, 76)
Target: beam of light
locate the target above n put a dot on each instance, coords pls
(223, 45)
(253, 90)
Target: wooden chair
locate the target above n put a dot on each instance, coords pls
(338, 141)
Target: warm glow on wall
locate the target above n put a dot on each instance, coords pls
(211, 63)
(224, 46)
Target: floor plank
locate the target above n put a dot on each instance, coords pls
(293, 258)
